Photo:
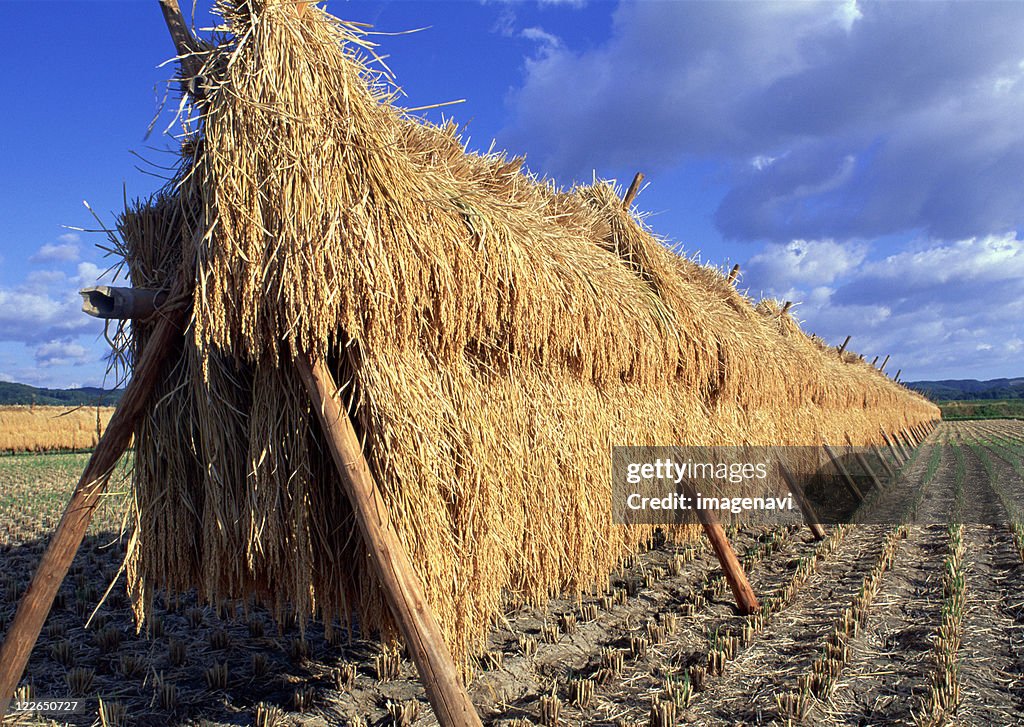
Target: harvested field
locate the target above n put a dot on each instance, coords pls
(851, 631)
(51, 428)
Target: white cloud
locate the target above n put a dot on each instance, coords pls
(810, 263)
(30, 316)
(975, 261)
(847, 14)
(825, 119)
(942, 309)
(44, 278)
(546, 40)
(56, 253)
(63, 353)
(762, 162)
(88, 274)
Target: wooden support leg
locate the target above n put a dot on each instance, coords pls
(850, 484)
(900, 461)
(901, 448)
(862, 461)
(35, 605)
(746, 601)
(401, 586)
(885, 463)
(810, 516)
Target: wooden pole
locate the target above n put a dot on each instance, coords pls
(850, 484)
(862, 461)
(896, 378)
(845, 344)
(874, 360)
(734, 273)
(634, 187)
(746, 601)
(884, 461)
(810, 516)
(786, 307)
(401, 586)
(882, 367)
(186, 45)
(892, 448)
(905, 446)
(67, 538)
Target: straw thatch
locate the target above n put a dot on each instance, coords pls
(495, 338)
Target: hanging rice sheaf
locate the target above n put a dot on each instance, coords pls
(494, 337)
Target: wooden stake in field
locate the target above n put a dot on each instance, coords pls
(882, 367)
(843, 347)
(810, 516)
(898, 456)
(746, 601)
(734, 273)
(401, 586)
(631, 193)
(851, 485)
(905, 440)
(885, 463)
(863, 462)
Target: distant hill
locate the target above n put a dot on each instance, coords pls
(88, 396)
(969, 389)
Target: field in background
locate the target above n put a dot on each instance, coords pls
(983, 409)
(878, 624)
(51, 428)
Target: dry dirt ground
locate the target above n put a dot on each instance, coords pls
(863, 628)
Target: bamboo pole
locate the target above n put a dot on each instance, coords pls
(847, 479)
(67, 538)
(845, 344)
(734, 273)
(863, 462)
(634, 187)
(906, 439)
(810, 516)
(401, 586)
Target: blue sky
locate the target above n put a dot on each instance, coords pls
(864, 160)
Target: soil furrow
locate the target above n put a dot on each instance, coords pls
(790, 642)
